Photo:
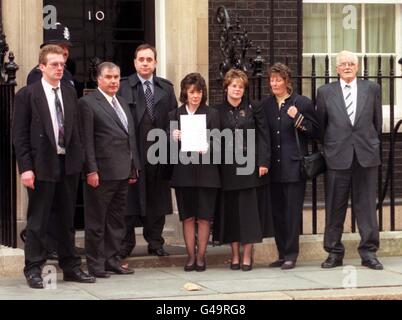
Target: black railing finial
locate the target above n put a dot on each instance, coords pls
(3, 51)
(11, 69)
(257, 64)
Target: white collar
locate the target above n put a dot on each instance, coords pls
(47, 86)
(352, 84)
(151, 79)
(108, 98)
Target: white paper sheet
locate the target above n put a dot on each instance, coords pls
(193, 132)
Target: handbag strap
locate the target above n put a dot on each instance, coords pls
(297, 136)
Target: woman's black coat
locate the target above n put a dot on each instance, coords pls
(244, 117)
(196, 175)
(285, 157)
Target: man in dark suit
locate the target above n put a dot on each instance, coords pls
(350, 115)
(50, 158)
(59, 36)
(150, 99)
(111, 164)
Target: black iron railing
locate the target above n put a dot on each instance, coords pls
(7, 159)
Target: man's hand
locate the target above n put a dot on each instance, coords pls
(28, 179)
(93, 179)
(176, 135)
(262, 171)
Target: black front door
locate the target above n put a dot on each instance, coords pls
(109, 30)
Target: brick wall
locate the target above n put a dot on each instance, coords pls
(255, 17)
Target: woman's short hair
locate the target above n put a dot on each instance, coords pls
(284, 72)
(196, 80)
(233, 74)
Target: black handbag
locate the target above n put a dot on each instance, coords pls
(311, 165)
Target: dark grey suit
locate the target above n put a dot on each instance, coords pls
(352, 153)
(111, 152)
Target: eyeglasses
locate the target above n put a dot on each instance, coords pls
(346, 64)
(55, 65)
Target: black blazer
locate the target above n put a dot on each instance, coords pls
(340, 138)
(285, 157)
(132, 91)
(109, 149)
(33, 135)
(247, 116)
(196, 175)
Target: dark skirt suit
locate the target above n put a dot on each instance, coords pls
(196, 185)
(244, 214)
(287, 184)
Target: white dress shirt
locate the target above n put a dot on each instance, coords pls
(50, 96)
(109, 99)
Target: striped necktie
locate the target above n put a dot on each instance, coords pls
(120, 114)
(349, 102)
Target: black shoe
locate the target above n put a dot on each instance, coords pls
(190, 267)
(35, 281)
(201, 268)
(372, 263)
(287, 265)
(235, 266)
(276, 264)
(52, 255)
(100, 274)
(77, 275)
(247, 267)
(120, 269)
(158, 252)
(332, 262)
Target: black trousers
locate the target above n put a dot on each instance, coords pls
(287, 209)
(63, 195)
(105, 208)
(363, 183)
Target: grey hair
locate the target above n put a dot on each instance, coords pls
(351, 56)
(106, 65)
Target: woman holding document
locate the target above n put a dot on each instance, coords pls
(243, 217)
(195, 179)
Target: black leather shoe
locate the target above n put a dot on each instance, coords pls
(100, 274)
(158, 252)
(119, 270)
(235, 266)
(287, 265)
(35, 281)
(372, 263)
(77, 275)
(276, 264)
(332, 262)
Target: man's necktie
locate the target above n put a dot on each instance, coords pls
(120, 114)
(149, 98)
(60, 118)
(349, 102)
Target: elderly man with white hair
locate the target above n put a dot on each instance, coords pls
(350, 118)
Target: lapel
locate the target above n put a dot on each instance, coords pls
(68, 105)
(139, 97)
(339, 101)
(158, 93)
(362, 93)
(105, 105)
(43, 108)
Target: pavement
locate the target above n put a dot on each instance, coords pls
(158, 278)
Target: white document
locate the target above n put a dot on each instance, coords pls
(193, 132)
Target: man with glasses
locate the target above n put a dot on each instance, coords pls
(350, 118)
(50, 158)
